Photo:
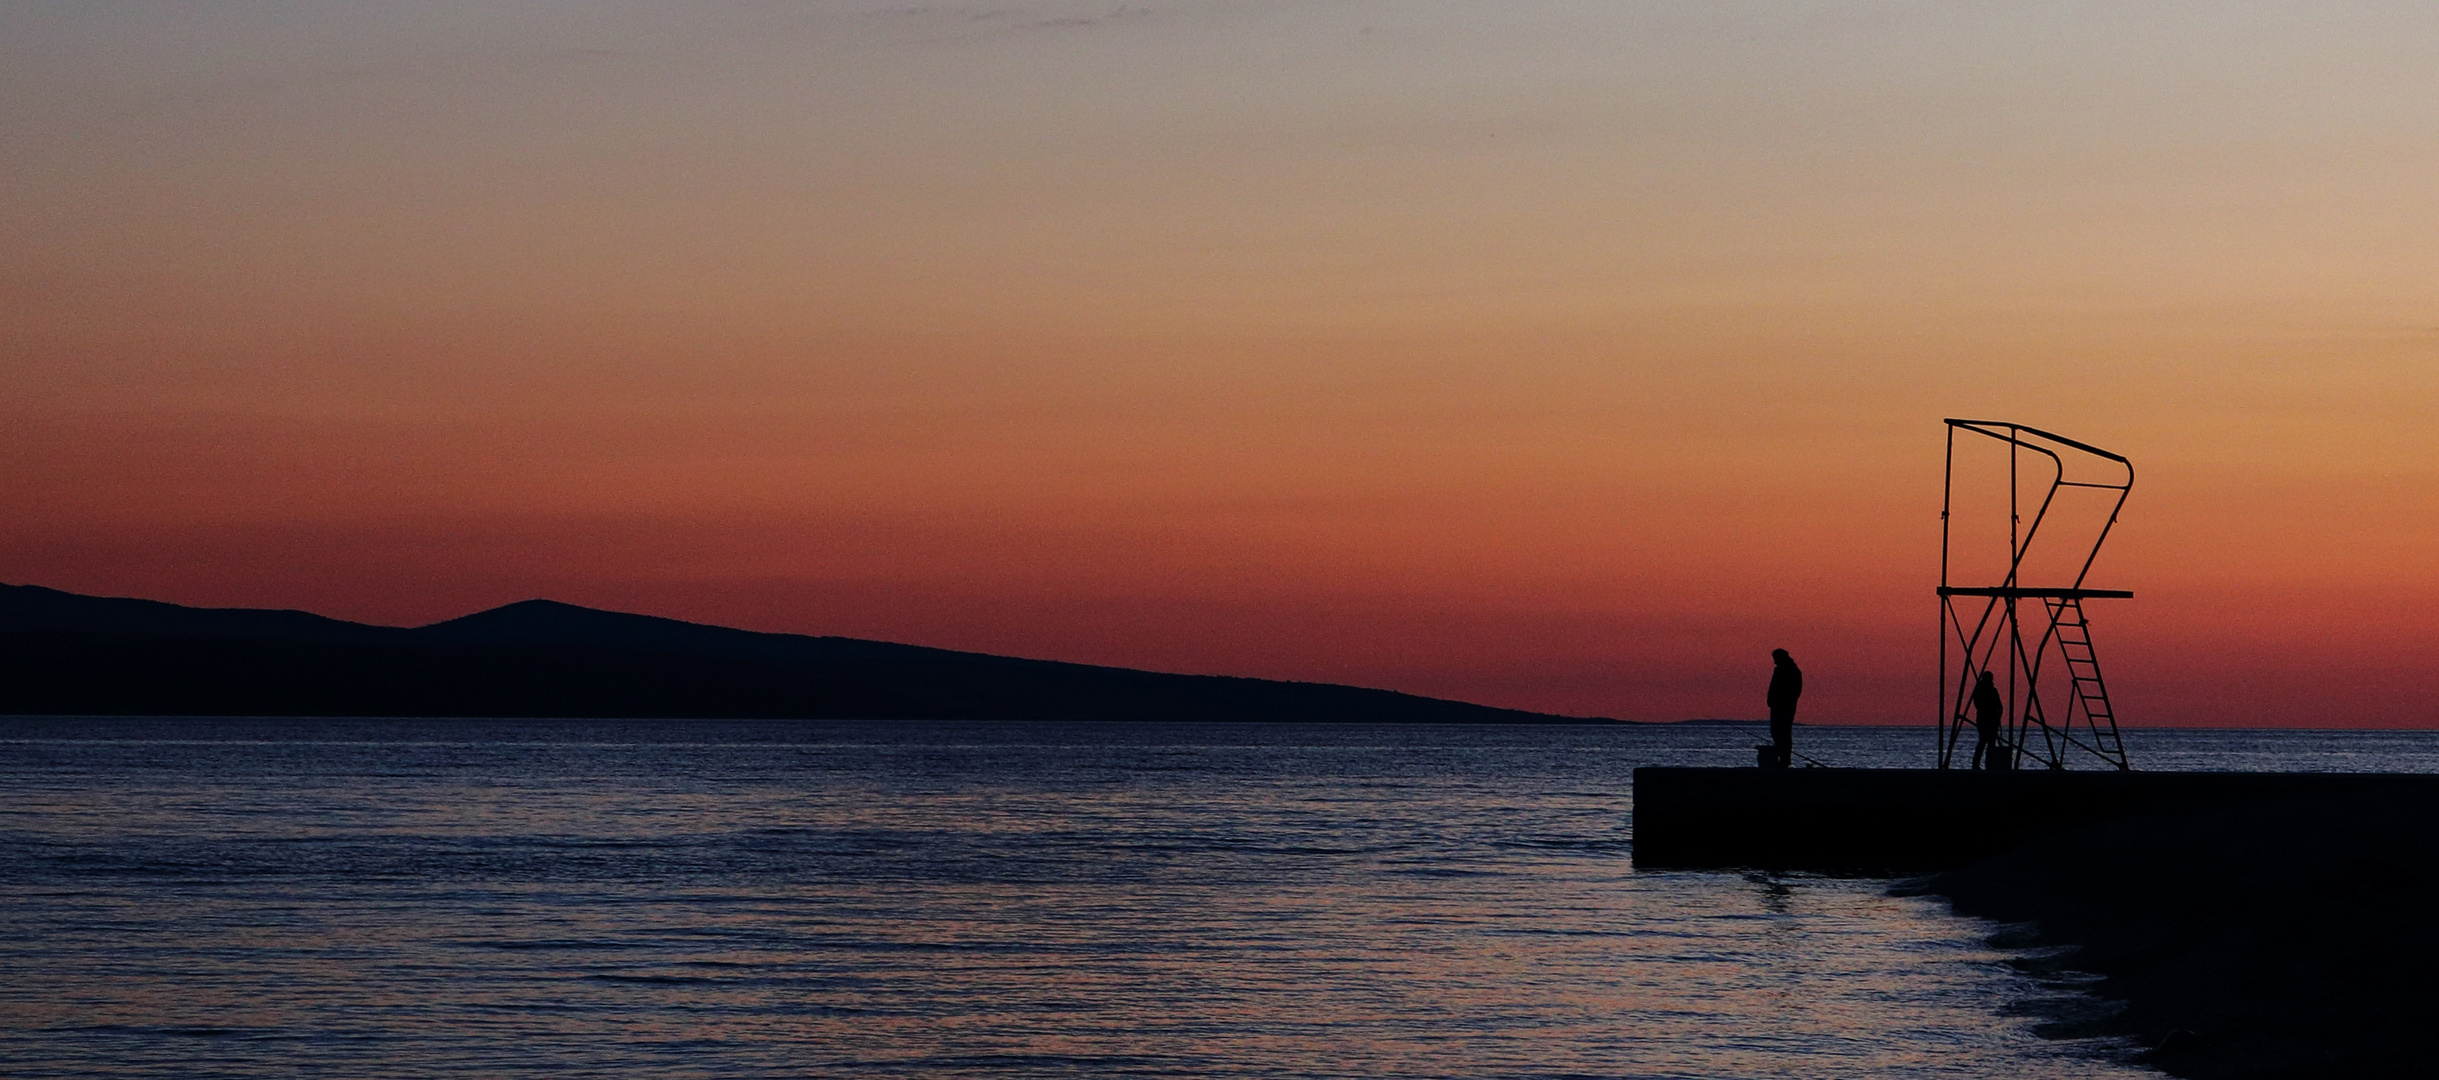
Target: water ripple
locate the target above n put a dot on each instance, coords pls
(474, 898)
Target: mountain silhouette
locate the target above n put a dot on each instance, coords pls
(66, 654)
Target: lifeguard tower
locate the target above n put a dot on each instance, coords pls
(2023, 621)
(2011, 603)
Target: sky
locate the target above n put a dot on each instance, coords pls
(1562, 356)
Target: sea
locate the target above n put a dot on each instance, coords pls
(189, 897)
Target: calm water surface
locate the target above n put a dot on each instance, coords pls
(479, 898)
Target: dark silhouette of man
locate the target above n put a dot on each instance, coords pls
(1786, 685)
(1989, 716)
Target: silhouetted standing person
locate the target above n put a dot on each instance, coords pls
(1989, 723)
(1786, 685)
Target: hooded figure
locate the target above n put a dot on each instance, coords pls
(1786, 685)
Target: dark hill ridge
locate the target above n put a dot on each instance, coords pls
(32, 607)
(66, 654)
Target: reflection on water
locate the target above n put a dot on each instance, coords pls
(201, 897)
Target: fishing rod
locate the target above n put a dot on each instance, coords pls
(1791, 752)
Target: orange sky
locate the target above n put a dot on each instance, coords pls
(1563, 356)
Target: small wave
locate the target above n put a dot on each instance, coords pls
(554, 944)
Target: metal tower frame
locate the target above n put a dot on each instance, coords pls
(1995, 639)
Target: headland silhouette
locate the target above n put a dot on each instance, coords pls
(66, 654)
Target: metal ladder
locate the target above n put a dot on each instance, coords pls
(2074, 634)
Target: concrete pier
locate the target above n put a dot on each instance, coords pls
(1927, 819)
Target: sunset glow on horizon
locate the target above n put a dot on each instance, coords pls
(1562, 356)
